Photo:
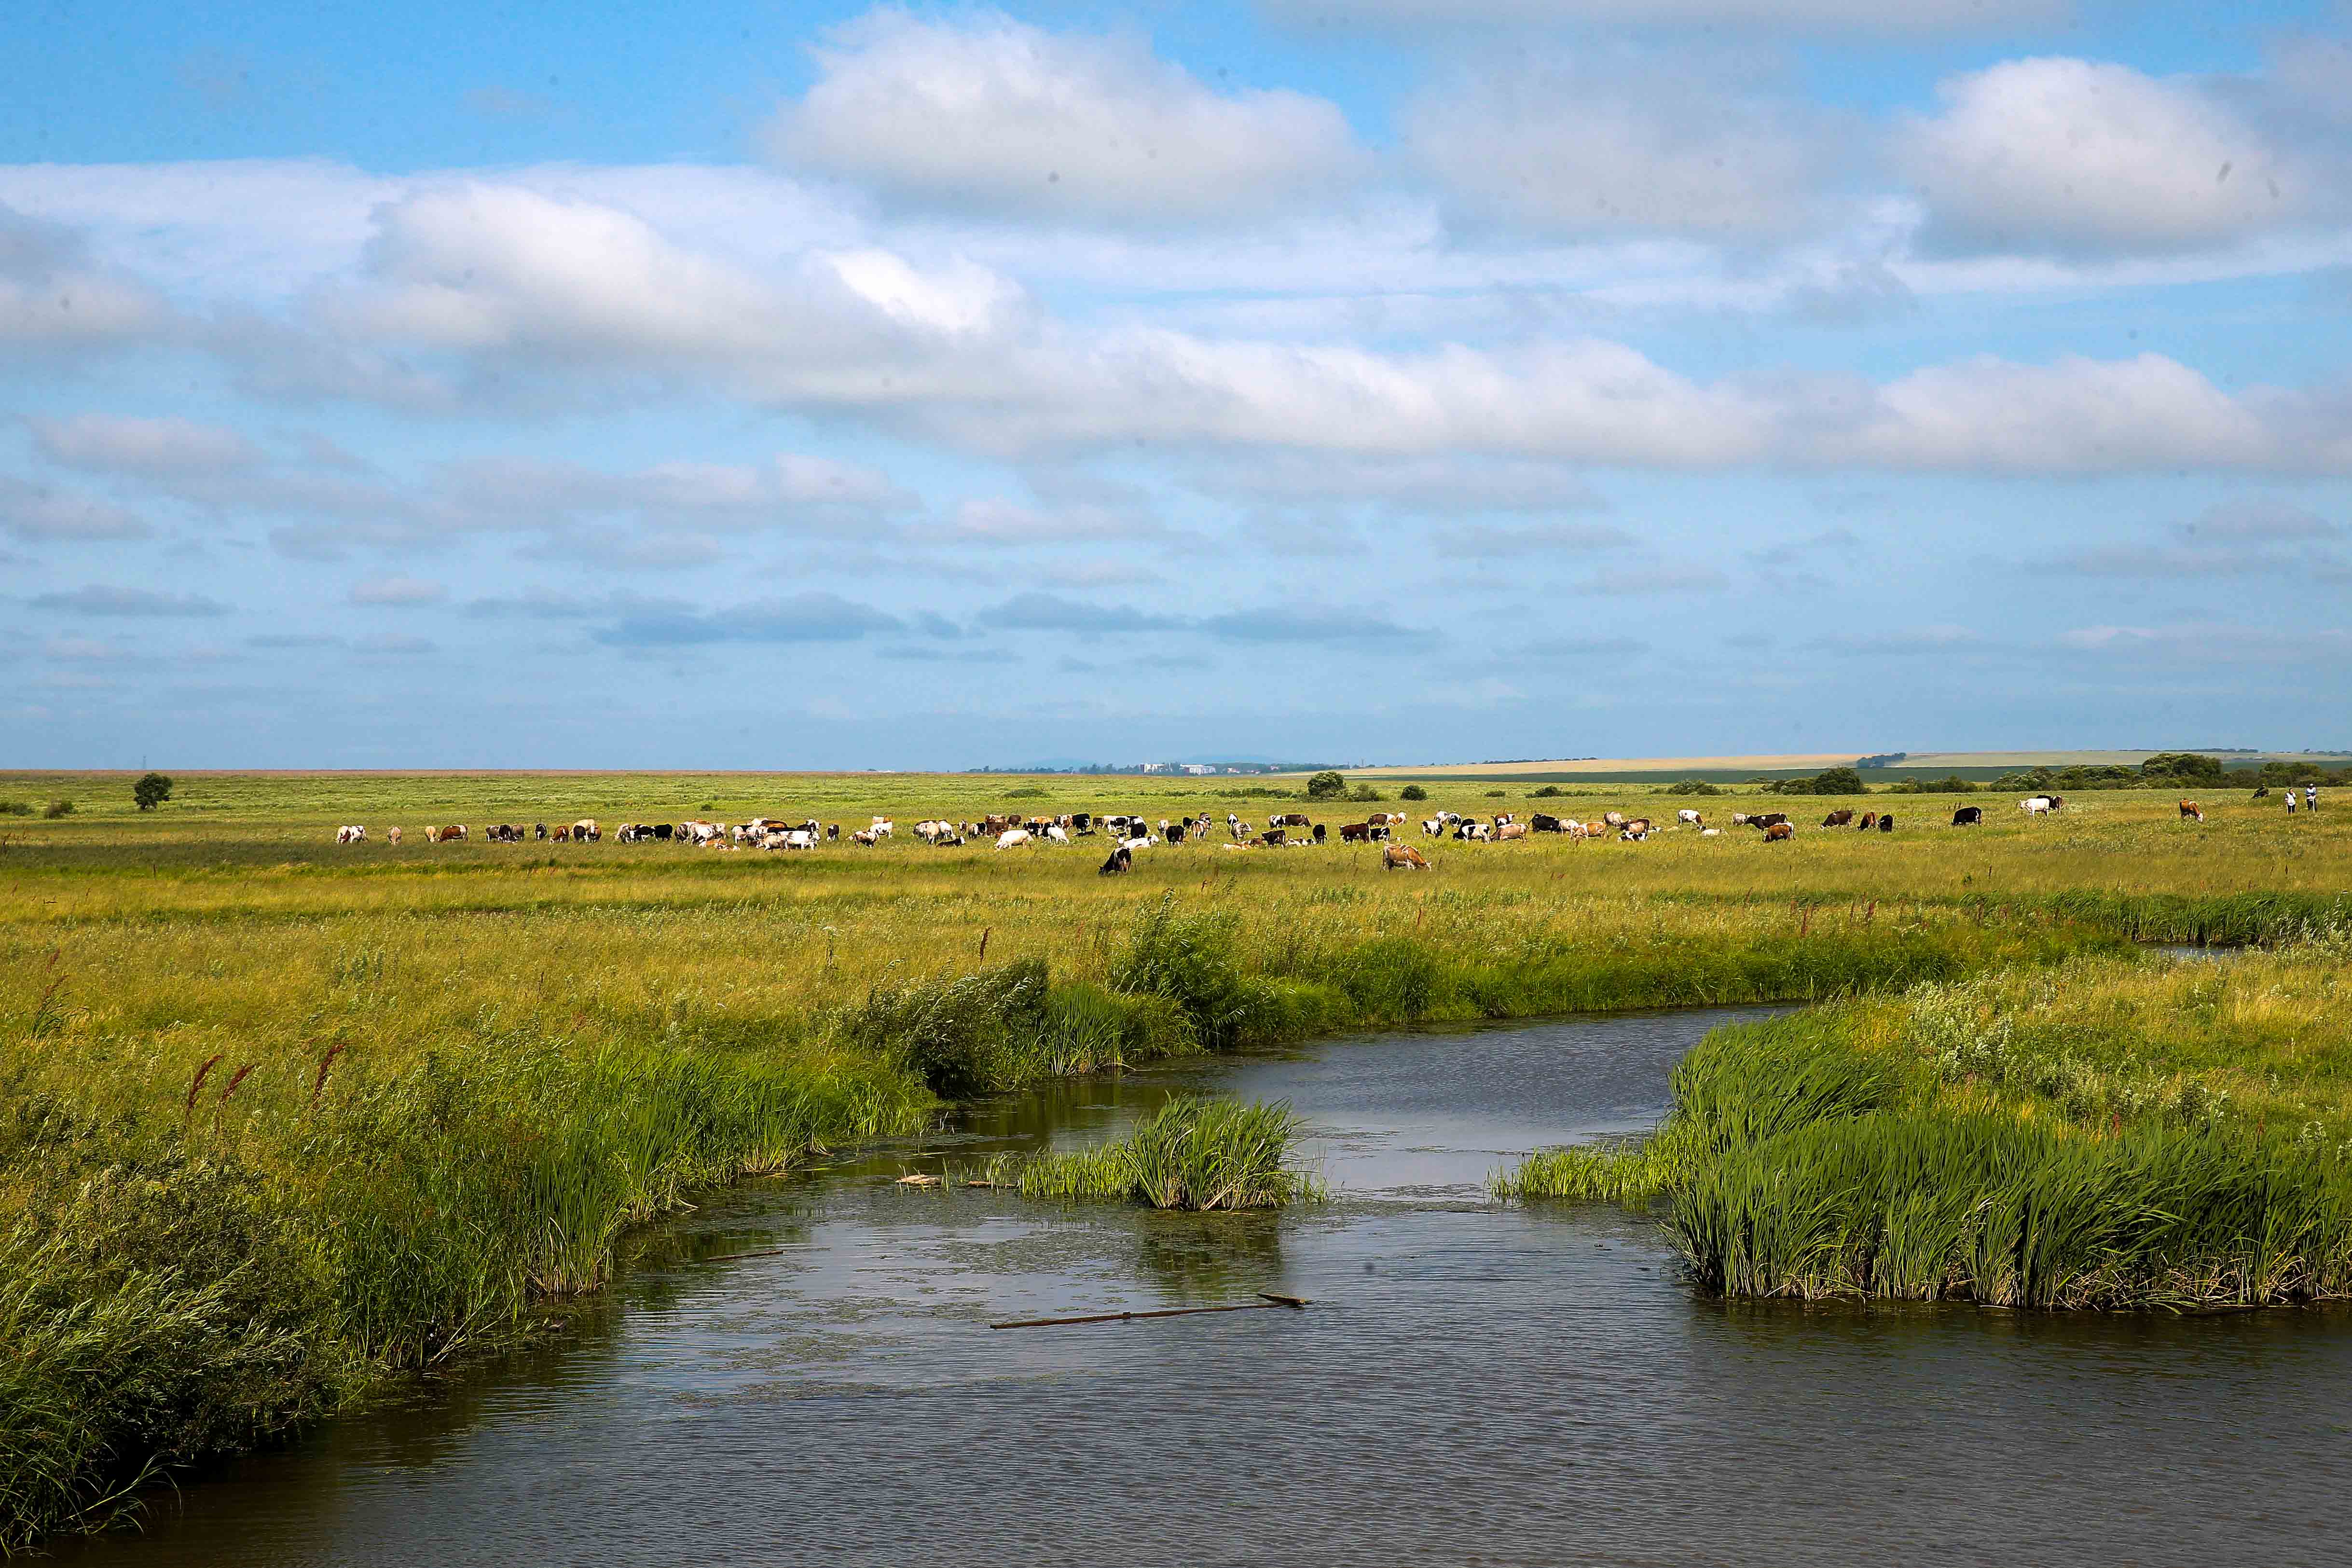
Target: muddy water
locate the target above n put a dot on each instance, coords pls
(1473, 1384)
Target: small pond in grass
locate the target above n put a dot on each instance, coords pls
(1474, 1383)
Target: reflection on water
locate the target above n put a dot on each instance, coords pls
(1475, 1384)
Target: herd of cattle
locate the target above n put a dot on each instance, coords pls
(1130, 832)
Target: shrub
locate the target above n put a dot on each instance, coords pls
(1498, 794)
(1365, 792)
(1694, 787)
(1327, 785)
(1548, 791)
(1412, 792)
(15, 809)
(58, 808)
(1189, 960)
(152, 791)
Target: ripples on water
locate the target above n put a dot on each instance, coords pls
(1475, 1384)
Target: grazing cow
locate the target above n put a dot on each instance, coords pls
(1274, 837)
(1355, 832)
(1012, 838)
(698, 833)
(1613, 818)
(1433, 827)
(1887, 822)
(539, 831)
(931, 830)
(1057, 833)
(1318, 833)
(1869, 820)
(1121, 861)
(1778, 831)
(1287, 819)
(1175, 831)
(2263, 792)
(354, 835)
(1402, 857)
(563, 835)
(1838, 818)
(1641, 825)
(585, 829)
(1768, 820)
(1512, 830)
(868, 838)
(2189, 808)
(391, 835)
(1543, 823)
(879, 827)
(1968, 817)
(1389, 819)
(1687, 818)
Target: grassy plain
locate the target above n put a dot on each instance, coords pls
(278, 1120)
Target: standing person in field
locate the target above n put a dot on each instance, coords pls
(2290, 800)
(2311, 797)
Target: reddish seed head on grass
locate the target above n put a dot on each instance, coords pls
(197, 1082)
(235, 1078)
(325, 1062)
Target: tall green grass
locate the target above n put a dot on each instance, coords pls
(2066, 1139)
(1191, 1153)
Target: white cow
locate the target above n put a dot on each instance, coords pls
(2037, 806)
(352, 834)
(1012, 838)
(392, 835)
(1687, 818)
(879, 827)
(1057, 832)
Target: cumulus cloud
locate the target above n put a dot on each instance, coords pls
(797, 619)
(31, 512)
(1605, 144)
(2085, 157)
(1774, 16)
(52, 293)
(112, 443)
(1439, 483)
(1312, 624)
(98, 599)
(1052, 612)
(1000, 116)
(398, 592)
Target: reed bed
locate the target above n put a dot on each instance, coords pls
(1192, 1153)
(2103, 1135)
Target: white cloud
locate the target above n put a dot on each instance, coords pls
(99, 599)
(389, 591)
(2206, 642)
(992, 521)
(51, 292)
(1610, 142)
(166, 445)
(33, 511)
(2087, 157)
(1775, 16)
(997, 115)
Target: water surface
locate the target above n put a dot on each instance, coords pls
(1475, 1384)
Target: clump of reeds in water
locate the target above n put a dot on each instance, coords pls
(1192, 1153)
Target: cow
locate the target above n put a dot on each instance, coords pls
(1511, 830)
(697, 832)
(1767, 821)
(1056, 834)
(539, 831)
(2039, 805)
(2263, 792)
(1319, 831)
(1778, 831)
(868, 838)
(931, 830)
(1687, 818)
(2189, 808)
(585, 829)
(1838, 818)
(1355, 832)
(1175, 832)
(1012, 838)
(1640, 826)
(1120, 861)
(1542, 823)
(1968, 817)
(880, 828)
(1869, 820)
(1710, 833)
(1287, 819)
(392, 835)
(354, 835)
(1273, 837)
(1402, 857)
(1433, 827)
(563, 835)
(1613, 818)
(1887, 822)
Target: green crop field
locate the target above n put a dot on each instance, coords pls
(281, 1120)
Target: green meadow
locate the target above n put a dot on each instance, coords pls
(281, 1122)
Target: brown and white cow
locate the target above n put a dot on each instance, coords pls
(1402, 857)
(2189, 808)
(1778, 831)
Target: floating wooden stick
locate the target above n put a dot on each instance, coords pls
(1266, 1299)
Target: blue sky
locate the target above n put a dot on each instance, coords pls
(841, 386)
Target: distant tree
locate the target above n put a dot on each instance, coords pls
(1694, 787)
(58, 808)
(1412, 792)
(1838, 781)
(1329, 784)
(1365, 792)
(2184, 767)
(1548, 791)
(152, 791)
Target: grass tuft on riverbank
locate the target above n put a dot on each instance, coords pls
(1192, 1153)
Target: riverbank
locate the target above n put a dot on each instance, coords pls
(2105, 1133)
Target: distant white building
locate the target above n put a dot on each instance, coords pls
(1197, 769)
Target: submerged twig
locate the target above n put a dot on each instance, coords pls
(1267, 1299)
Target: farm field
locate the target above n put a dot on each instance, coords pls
(281, 1120)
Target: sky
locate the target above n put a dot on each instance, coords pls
(845, 386)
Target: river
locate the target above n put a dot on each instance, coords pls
(1473, 1384)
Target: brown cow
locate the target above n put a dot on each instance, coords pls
(1512, 830)
(1355, 832)
(1777, 831)
(1838, 818)
(1403, 856)
(2189, 808)
(1869, 820)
